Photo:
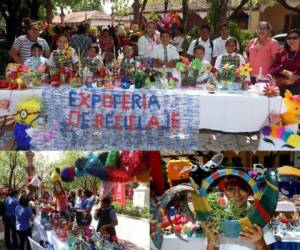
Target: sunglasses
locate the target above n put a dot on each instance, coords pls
(293, 38)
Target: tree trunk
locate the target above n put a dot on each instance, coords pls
(30, 167)
(49, 12)
(166, 6)
(34, 9)
(136, 7)
(185, 12)
(142, 11)
(289, 7)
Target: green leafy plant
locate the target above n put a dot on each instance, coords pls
(222, 212)
(131, 210)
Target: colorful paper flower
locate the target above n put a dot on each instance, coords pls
(271, 90)
(245, 69)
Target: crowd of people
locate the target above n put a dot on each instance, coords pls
(20, 211)
(41, 49)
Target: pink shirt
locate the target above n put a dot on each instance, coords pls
(262, 55)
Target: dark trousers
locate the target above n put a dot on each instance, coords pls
(253, 79)
(23, 236)
(295, 89)
(10, 233)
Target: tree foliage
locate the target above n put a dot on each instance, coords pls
(13, 169)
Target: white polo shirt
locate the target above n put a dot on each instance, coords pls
(219, 46)
(159, 53)
(207, 46)
(146, 45)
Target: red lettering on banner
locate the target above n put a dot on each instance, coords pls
(131, 118)
(144, 101)
(99, 121)
(107, 101)
(75, 113)
(118, 118)
(84, 100)
(125, 101)
(175, 123)
(153, 122)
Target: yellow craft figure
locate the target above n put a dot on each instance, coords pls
(28, 111)
(27, 116)
(292, 104)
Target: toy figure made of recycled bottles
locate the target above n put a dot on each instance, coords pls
(228, 78)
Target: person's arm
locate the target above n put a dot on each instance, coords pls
(246, 51)
(255, 235)
(15, 54)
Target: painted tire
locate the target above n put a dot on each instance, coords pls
(157, 212)
(264, 204)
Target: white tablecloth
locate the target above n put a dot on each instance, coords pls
(290, 236)
(39, 233)
(243, 111)
(17, 96)
(56, 242)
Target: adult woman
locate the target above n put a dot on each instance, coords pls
(23, 219)
(21, 49)
(286, 68)
(261, 52)
(147, 42)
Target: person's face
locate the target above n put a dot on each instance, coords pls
(165, 39)
(199, 53)
(36, 52)
(104, 205)
(293, 41)
(231, 47)
(135, 27)
(263, 31)
(92, 53)
(62, 42)
(204, 34)
(105, 33)
(128, 53)
(224, 32)
(33, 32)
(151, 28)
(239, 195)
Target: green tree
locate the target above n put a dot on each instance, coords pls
(13, 169)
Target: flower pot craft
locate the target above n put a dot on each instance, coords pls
(259, 213)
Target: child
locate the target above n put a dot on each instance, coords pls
(93, 60)
(230, 57)
(199, 52)
(64, 55)
(36, 62)
(128, 63)
(165, 55)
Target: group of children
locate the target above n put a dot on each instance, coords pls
(164, 56)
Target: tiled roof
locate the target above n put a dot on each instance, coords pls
(80, 16)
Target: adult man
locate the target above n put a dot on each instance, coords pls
(219, 43)
(21, 49)
(254, 238)
(205, 41)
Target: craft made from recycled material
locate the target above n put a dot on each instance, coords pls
(260, 213)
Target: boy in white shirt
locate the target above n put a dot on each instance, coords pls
(165, 55)
(36, 63)
(199, 52)
(219, 43)
(205, 41)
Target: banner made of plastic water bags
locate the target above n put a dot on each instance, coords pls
(134, 119)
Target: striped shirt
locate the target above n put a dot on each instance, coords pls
(24, 45)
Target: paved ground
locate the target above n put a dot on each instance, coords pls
(218, 141)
